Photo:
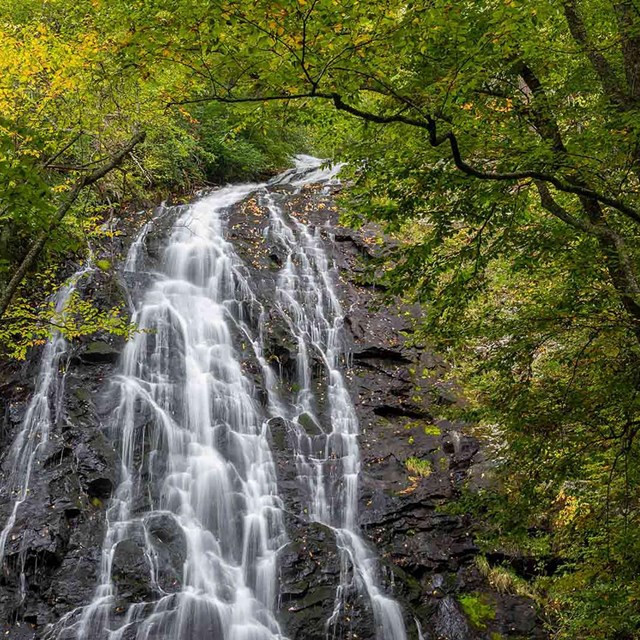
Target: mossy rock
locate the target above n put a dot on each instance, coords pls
(307, 422)
(478, 609)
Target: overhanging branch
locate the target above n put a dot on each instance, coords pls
(429, 124)
(40, 241)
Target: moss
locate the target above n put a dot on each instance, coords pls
(84, 395)
(411, 584)
(432, 430)
(478, 609)
(104, 265)
(418, 467)
(307, 422)
(427, 429)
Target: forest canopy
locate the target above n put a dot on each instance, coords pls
(498, 141)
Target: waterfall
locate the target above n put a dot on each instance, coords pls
(197, 479)
(307, 299)
(41, 415)
(207, 472)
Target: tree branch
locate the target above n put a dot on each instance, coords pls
(50, 161)
(541, 176)
(43, 236)
(430, 125)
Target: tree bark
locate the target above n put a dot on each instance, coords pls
(605, 72)
(628, 19)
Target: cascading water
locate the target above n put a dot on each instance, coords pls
(41, 415)
(207, 467)
(329, 463)
(193, 436)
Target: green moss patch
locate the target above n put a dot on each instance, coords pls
(478, 609)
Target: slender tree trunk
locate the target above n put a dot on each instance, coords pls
(619, 265)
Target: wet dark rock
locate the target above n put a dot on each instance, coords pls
(279, 345)
(376, 352)
(131, 572)
(400, 409)
(449, 623)
(283, 438)
(309, 577)
(170, 548)
(100, 488)
(99, 351)
(16, 411)
(54, 546)
(154, 242)
(518, 618)
(279, 431)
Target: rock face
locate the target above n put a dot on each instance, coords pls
(412, 466)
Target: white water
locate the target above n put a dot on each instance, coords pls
(41, 415)
(207, 455)
(307, 298)
(186, 402)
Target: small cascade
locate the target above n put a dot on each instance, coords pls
(329, 463)
(134, 261)
(41, 415)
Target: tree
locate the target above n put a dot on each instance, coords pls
(499, 140)
(77, 100)
(40, 241)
